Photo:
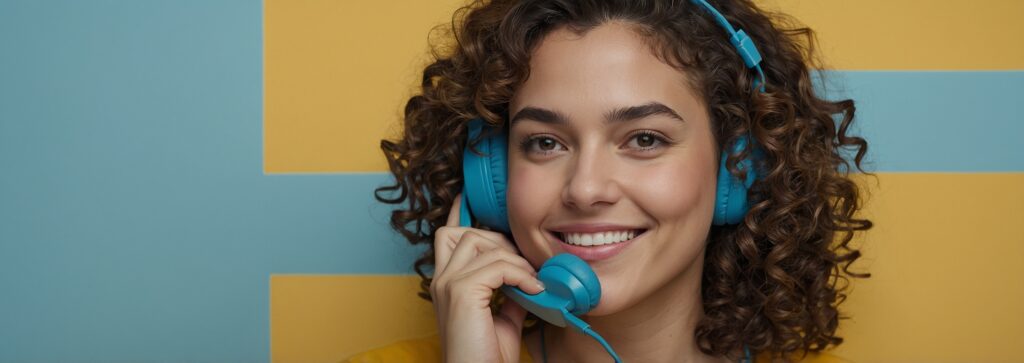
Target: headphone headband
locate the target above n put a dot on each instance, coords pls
(740, 40)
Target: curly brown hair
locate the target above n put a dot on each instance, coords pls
(772, 282)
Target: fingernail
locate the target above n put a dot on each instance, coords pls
(540, 285)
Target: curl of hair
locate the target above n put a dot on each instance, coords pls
(772, 282)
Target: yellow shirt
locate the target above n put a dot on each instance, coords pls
(428, 350)
(422, 350)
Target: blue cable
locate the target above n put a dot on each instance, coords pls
(584, 328)
(604, 344)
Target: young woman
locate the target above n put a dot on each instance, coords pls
(618, 115)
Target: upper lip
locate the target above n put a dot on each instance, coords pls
(592, 228)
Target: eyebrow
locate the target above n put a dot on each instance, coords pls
(617, 115)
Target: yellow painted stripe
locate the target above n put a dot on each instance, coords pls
(945, 258)
(912, 34)
(326, 318)
(337, 73)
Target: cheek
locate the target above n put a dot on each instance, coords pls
(676, 191)
(522, 193)
(531, 193)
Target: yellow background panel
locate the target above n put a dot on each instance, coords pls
(913, 34)
(326, 318)
(945, 258)
(337, 73)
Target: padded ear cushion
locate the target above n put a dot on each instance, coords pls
(498, 158)
(731, 202)
(586, 287)
(485, 177)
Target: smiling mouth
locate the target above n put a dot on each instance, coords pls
(597, 239)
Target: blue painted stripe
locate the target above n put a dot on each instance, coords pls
(133, 213)
(937, 121)
(135, 222)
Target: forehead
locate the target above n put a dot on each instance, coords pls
(609, 66)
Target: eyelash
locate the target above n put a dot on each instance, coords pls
(530, 140)
(661, 141)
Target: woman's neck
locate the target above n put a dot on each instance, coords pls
(658, 329)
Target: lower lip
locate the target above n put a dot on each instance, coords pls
(597, 253)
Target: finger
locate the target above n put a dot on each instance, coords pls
(492, 277)
(494, 255)
(453, 213)
(447, 239)
(444, 243)
(471, 245)
(454, 220)
(498, 254)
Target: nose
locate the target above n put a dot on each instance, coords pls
(592, 181)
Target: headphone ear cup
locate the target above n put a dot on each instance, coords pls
(499, 179)
(485, 176)
(574, 279)
(731, 202)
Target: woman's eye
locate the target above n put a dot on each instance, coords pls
(646, 140)
(541, 145)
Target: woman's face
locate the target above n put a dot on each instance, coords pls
(606, 137)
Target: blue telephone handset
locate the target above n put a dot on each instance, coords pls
(571, 288)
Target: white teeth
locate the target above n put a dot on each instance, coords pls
(597, 239)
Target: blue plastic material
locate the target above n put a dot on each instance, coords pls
(740, 40)
(731, 195)
(745, 47)
(485, 178)
(544, 305)
(570, 288)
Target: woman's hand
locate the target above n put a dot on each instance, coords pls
(469, 265)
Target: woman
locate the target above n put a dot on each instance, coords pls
(618, 114)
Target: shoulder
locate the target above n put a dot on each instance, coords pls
(419, 350)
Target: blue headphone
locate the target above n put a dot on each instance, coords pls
(571, 287)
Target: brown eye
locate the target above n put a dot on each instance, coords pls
(546, 144)
(645, 140)
(540, 145)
